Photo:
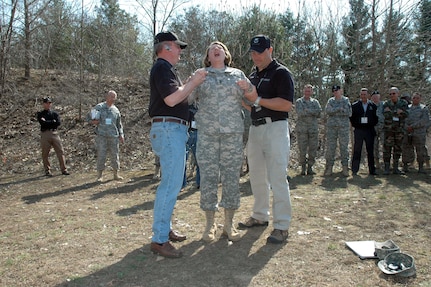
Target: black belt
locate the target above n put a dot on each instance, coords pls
(53, 130)
(266, 120)
(169, 120)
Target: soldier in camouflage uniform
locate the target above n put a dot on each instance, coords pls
(416, 125)
(395, 112)
(338, 109)
(109, 129)
(220, 142)
(308, 110)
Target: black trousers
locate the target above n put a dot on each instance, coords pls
(361, 135)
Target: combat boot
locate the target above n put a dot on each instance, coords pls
(396, 170)
(310, 170)
(377, 163)
(211, 228)
(229, 229)
(99, 175)
(386, 171)
(303, 168)
(421, 168)
(116, 176)
(345, 171)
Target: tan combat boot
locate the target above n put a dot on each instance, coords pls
(116, 176)
(211, 228)
(303, 168)
(229, 229)
(310, 170)
(99, 176)
(345, 171)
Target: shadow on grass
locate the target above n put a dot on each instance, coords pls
(136, 183)
(31, 199)
(216, 264)
(21, 181)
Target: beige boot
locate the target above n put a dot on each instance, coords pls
(345, 171)
(211, 228)
(99, 175)
(328, 170)
(116, 176)
(229, 229)
(303, 169)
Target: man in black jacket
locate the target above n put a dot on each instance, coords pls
(363, 119)
(49, 122)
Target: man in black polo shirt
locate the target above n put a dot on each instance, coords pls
(169, 114)
(268, 148)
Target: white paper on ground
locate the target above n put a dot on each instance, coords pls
(364, 249)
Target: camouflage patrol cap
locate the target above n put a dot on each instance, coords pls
(382, 249)
(399, 264)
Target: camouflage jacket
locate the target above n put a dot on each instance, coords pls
(219, 101)
(394, 121)
(308, 112)
(109, 121)
(418, 118)
(338, 112)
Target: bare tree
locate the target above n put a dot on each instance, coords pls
(6, 30)
(32, 10)
(159, 12)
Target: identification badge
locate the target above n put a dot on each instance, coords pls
(108, 121)
(396, 119)
(193, 125)
(258, 108)
(364, 120)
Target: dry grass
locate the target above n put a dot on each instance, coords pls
(70, 231)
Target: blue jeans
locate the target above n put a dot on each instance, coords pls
(191, 147)
(168, 141)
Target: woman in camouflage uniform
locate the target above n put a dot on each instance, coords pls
(219, 148)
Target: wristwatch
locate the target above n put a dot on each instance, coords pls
(256, 103)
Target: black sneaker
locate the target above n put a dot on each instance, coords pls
(65, 172)
(48, 173)
(278, 236)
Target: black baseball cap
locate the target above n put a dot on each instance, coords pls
(169, 36)
(336, 88)
(46, 100)
(259, 43)
(375, 93)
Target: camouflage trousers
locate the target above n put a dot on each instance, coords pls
(219, 158)
(392, 145)
(342, 135)
(307, 145)
(378, 143)
(105, 145)
(416, 143)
